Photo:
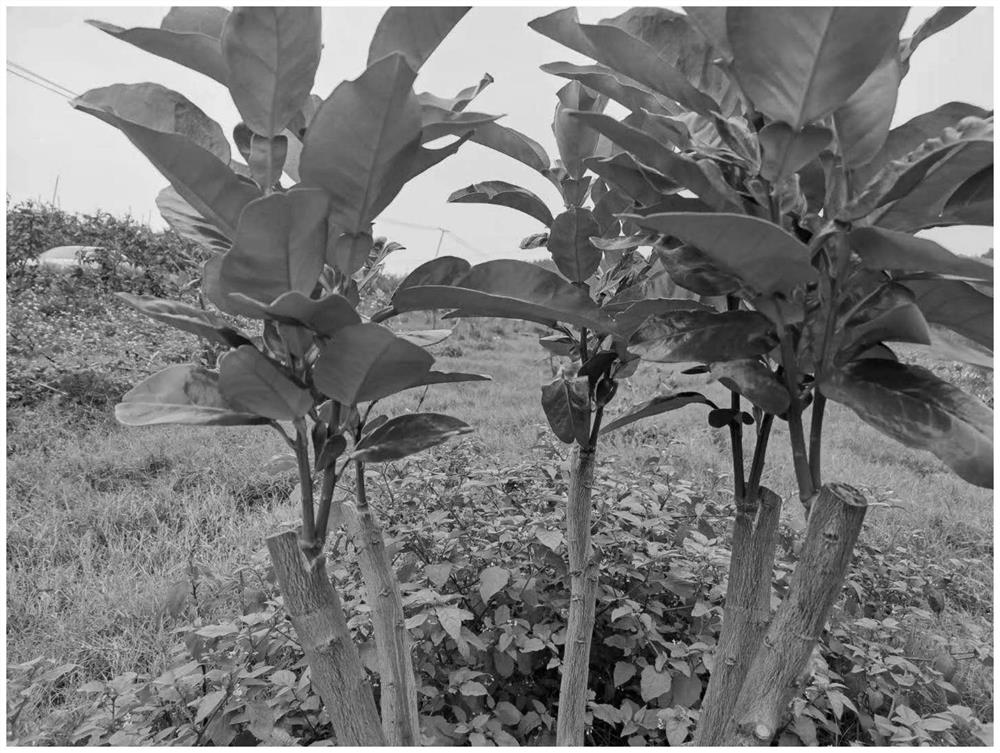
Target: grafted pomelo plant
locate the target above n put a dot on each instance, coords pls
(770, 175)
(297, 257)
(603, 290)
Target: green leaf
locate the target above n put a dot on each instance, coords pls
(188, 318)
(892, 250)
(912, 192)
(907, 137)
(271, 54)
(362, 134)
(798, 64)
(405, 435)
(566, 403)
(863, 121)
(279, 247)
(160, 109)
(499, 193)
(365, 362)
(491, 581)
(629, 315)
(604, 81)
(511, 143)
(267, 159)
(210, 187)
(508, 289)
(251, 382)
(656, 406)
(449, 377)
(711, 22)
(324, 316)
(180, 394)
(972, 202)
(188, 224)
(437, 122)
(575, 141)
(414, 32)
(938, 21)
(957, 306)
(754, 381)
(761, 254)
(950, 346)
(653, 684)
(678, 42)
(675, 167)
(703, 336)
(889, 315)
(189, 36)
(625, 54)
(644, 185)
(786, 151)
(569, 243)
(694, 271)
(461, 100)
(624, 671)
(425, 337)
(914, 407)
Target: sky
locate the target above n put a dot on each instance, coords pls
(98, 169)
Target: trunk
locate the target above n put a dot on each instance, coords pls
(314, 607)
(392, 642)
(775, 674)
(583, 569)
(748, 610)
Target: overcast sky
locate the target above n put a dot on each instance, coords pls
(97, 168)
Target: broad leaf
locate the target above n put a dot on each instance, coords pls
(160, 109)
(508, 289)
(444, 270)
(210, 187)
(863, 121)
(951, 346)
(324, 316)
(365, 362)
(503, 194)
(188, 318)
(703, 336)
(889, 315)
(613, 86)
(711, 22)
(938, 21)
(644, 185)
(362, 135)
(569, 243)
(180, 394)
(798, 64)
(625, 54)
(267, 159)
(957, 306)
(405, 435)
(576, 142)
(189, 36)
(909, 136)
(425, 337)
(785, 151)
(694, 271)
(678, 168)
(761, 254)
(629, 316)
(460, 101)
(437, 122)
(491, 581)
(279, 246)
(914, 407)
(892, 250)
(566, 403)
(512, 143)
(656, 406)
(677, 41)
(449, 377)
(251, 382)
(188, 224)
(972, 202)
(414, 32)
(754, 381)
(271, 54)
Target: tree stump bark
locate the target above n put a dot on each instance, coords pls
(317, 615)
(776, 672)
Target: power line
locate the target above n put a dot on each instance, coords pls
(49, 81)
(37, 83)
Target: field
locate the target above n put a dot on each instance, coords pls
(106, 524)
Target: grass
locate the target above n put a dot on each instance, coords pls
(102, 519)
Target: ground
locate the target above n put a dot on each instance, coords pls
(102, 519)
